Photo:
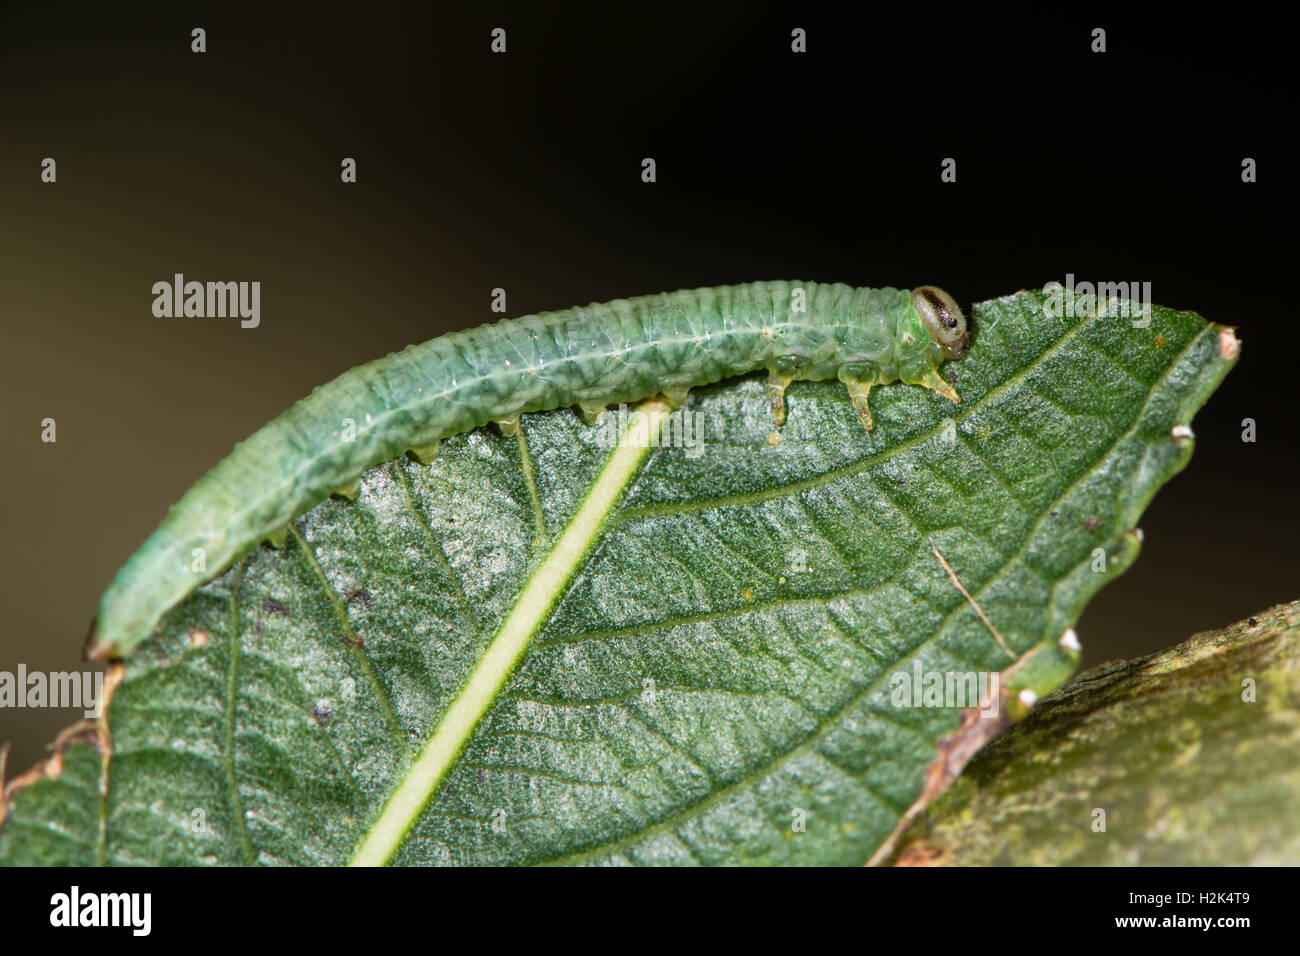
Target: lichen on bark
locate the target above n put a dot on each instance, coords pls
(1190, 756)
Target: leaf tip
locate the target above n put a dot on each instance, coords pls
(1229, 344)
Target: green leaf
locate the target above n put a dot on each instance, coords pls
(541, 649)
(1188, 757)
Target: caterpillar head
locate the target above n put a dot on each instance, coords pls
(943, 320)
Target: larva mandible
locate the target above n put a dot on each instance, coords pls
(620, 351)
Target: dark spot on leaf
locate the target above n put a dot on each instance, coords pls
(1055, 513)
(1093, 522)
(322, 712)
(271, 606)
(952, 375)
(1253, 622)
(362, 597)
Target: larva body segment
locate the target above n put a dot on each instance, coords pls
(620, 351)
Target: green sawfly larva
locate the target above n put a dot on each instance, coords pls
(603, 354)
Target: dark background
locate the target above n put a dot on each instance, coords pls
(523, 171)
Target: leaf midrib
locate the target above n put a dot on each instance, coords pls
(544, 587)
